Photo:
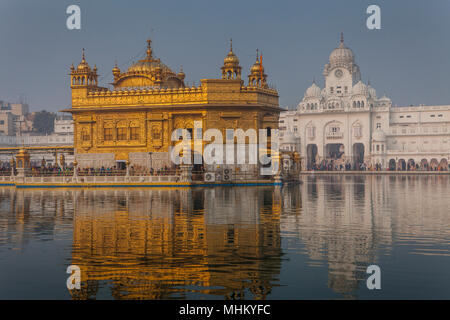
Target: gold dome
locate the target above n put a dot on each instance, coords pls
(149, 71)
(231, 59)
(181, 74)
(83, 66)
(256, 68)
(22, 152)
(147, 66)
(231, 69)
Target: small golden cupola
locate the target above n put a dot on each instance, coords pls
(231, 69)
(148, 72)
(181, 74)
(83, 75)
(116, 72)
(257, 76)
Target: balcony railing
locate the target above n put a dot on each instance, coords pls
(334, 135)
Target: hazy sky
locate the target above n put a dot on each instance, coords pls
(408, 59)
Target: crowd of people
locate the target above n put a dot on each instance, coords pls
(133, 171)
(5, 170)
(333, 165)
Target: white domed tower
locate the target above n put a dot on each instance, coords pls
(312, 98)
(341, 72)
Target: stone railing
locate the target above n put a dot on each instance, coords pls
(100, 179)
(334, 135)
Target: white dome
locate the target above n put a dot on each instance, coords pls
(379, 135)
(384, 99)
(372, 92)
(359, 88)
(313, 91)
(341, 55)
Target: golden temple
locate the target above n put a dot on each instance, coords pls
(134, 120)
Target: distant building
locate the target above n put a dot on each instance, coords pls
(63, 126)
(61, 137)
(6, 124)
(19, 114)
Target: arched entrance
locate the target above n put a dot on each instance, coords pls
(443, 165)
(424, 165)
(358, 154)
(311, 153)
(334, 151)
(434, 164)
(392, 165)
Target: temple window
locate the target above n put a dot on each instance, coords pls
(108, 134)
(121, 133)
(134, 133)
(85, 135)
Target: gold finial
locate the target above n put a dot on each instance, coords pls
(82, 56)
(149, 48)
(231, 45)
(257, 55)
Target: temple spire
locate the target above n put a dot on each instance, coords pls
(149, 49)
(342, 37)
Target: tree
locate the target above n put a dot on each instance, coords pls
(44, 122)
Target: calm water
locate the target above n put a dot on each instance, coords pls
(313, 240)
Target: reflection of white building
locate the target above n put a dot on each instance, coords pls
(347, 122)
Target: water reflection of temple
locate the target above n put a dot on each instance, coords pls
(345, 221)
(157, 244)
(226, 242)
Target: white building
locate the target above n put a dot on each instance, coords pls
(345, 123)
(63, 126)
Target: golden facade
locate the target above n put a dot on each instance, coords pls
(148, 101)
